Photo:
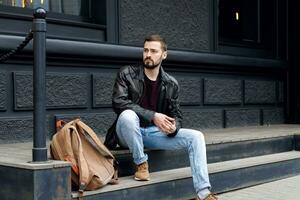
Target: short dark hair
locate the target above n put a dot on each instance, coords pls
(158, 38)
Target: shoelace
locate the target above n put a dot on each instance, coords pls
(211, 197)
(142, 166)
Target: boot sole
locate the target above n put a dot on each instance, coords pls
(139, 179)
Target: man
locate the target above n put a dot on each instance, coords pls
(146, 101)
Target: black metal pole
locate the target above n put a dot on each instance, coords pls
(39, 151)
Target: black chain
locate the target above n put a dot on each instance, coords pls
(5, 56)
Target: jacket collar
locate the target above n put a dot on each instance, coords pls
(163, 74)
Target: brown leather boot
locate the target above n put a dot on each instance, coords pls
(211, 196)
(142, 172)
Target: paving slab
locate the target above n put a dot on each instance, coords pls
(288, 188)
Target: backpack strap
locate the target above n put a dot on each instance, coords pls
(90, 133)
(114, 179)
(76, 146)
(99, 146)
(84, 177)
(80, 192)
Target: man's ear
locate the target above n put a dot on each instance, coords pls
(165, 54)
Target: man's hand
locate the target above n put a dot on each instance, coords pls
(165, 123)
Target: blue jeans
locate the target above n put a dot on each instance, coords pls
(134, 137)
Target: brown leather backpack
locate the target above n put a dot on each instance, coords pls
(93, 165)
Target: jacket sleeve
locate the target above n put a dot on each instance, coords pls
(175, 109)
(122, 99)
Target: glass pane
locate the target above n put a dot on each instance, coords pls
(239, 20)
(69, 7)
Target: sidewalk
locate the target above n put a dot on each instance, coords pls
(288, 188)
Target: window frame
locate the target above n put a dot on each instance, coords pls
(52, 17)
(250, 49)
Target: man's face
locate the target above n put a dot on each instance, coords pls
(153, 54)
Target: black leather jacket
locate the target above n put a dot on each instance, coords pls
(127, 93)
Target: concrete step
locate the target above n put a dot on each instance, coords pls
(224, 176)
(216, 152)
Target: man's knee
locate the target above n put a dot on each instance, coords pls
(127, 124)
(197, 136)
(200, 135)
(128, 116)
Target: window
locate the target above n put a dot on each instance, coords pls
(248, 24)
(84, 20)
(68, 7)
(239, 21)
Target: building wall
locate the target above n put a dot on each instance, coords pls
(217, 91)
(184, 23)
(210, 98)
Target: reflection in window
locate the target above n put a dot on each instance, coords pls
(239, 21)
(249, 24)
(69, 7)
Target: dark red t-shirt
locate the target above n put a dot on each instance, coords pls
(151, 93)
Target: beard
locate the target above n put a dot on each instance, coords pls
(149, 64)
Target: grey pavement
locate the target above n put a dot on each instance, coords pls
(288, 188)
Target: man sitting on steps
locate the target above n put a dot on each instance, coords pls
(146, 100)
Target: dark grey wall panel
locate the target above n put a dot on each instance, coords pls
(102, 89)
(222, 91)
(235, 118)
(67, 90)
(202, 119)
(23, 90)
(63, 90)
(3, 92)
(257, 91)
(99, 122)
(273, 116)
(190, 90)
(16, 129)
(280, 92)
(184, 23)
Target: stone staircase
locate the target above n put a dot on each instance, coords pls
(237, 157)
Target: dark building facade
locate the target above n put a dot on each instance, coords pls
(236, 61)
